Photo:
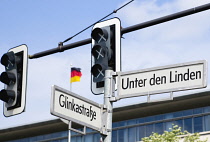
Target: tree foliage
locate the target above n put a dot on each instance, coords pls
(173, 136)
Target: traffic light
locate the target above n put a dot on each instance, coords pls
(106, 54)
(14, 93)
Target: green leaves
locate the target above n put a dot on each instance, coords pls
(174, 135)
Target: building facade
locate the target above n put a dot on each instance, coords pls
(130, 123)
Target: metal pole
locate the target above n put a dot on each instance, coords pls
(184, 13)
(69, 132)
(107, 95)
(166, 18)
(70, 78)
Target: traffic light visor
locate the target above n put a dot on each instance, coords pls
(8, 60)
(7, 95)
(8, 78)
(99, 35)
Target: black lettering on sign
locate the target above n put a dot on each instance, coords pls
(77, 108)
(129, 84)
(156, 80)
(187, 76)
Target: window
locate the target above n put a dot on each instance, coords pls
(192, 120)
(159, 117)
(114, 136)
(132, 134)
(122, 135)
(197, 110)
(207, 122)
(159, 128)
(88, 138)
(141, 120)
(198, 124)
(149, 129)
(168, 125)
(141, 132)
(150, 119)
(187, 112)
(206, 109)
(188, 124)
(179, 123)
(97, 137)
(178, 114)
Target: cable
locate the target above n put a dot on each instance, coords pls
(115, 11)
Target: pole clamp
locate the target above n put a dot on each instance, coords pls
(60, 45)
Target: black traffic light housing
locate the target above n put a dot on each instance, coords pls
(14, 78)
(105, 52)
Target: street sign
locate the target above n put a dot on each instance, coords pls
(70, 106)
(164, 79)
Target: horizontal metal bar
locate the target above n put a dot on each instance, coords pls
(166, 18)
(60, 48)
(126, 30)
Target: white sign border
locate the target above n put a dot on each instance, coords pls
(54, 88)
(204, 84)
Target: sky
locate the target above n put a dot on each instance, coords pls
(42, 24)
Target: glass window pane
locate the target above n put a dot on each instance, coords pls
(88, 130)
(206, 109)
(48, 136)
(141, 132)
(150, 119)
(198, 124)
(122, 123)
(149, 130)
(64, 140)
(38, 138)
(179, 123)
(97, 137)
(114, 136)
(178, 114)
(122, 135)
(169, 115)
(188, 124)
(188, 112)
(141, 120)
(207, 123)
(197, 110)
(159, 128)
(32, 139)
(114, 125)
(132, 134)
(79, 139)
(131, 122)
(72, 133)
(73, 139)
(168, 125)
(88, 138)
(159, 117)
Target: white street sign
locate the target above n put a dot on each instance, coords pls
(75, 108)
(164, 79)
